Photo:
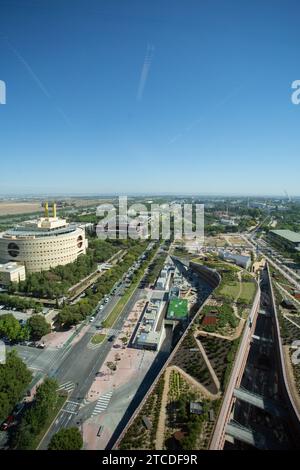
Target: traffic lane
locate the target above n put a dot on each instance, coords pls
(85, 375)
(71, 364)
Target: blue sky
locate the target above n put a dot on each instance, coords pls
(125, 96)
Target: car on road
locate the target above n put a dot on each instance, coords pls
(111, 338)
(101, 307)
(7, 423)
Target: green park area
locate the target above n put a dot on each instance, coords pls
(248, 291)
(178, 309)
(230, 290)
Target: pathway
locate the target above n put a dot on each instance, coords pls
(208, 364)
(160, 432)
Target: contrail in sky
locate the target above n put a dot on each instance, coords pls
(35, 78)
(145, 71)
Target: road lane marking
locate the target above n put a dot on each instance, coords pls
(102, 403)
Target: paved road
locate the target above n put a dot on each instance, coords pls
(289, 274)
(79, 367)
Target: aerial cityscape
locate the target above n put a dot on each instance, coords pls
(149, 228)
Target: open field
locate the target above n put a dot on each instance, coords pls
(230, 290)
(248, 291)
(11, 208)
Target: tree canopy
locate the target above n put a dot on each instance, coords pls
(38, 327)
(66, 439)
(14, 378)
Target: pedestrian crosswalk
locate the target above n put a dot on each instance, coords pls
(84, 403)
(68, 386)
(102, 403)
(113, 331)
(71, 407)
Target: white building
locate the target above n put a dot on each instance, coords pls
(43, 243)
(243, 261)
(12, 272)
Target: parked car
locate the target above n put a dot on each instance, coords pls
(111, 338)
(92, 319)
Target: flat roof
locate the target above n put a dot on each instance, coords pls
(178, 308)
(10, 267)
(289, 235)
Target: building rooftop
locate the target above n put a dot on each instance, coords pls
(289, 235)
(10, 266)
(178, 309)
(22, 231)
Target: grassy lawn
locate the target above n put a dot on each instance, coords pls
(60, 403)
(98, 338)
(248, 291)
(230, 290)
(114, 314)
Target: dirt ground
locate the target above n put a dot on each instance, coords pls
(10, 208)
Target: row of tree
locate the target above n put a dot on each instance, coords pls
(20, 303)
(14, 379)
(74, 314)
(55, 283)
(36, 416)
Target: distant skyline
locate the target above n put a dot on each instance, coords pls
(136, 97)
(16, 195)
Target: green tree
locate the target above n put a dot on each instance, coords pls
(66, 439)
(38, 327)
(10, 327)
(36, 416)
(14, 378)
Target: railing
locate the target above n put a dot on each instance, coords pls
(294, 409)
(218, 437)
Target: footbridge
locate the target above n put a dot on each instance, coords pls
(266, 404)
(251, 436)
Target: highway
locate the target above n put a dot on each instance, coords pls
(262, 377)
(266, 250)
(76, 372)
(80, 366)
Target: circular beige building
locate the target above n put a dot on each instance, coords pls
(43, 244)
